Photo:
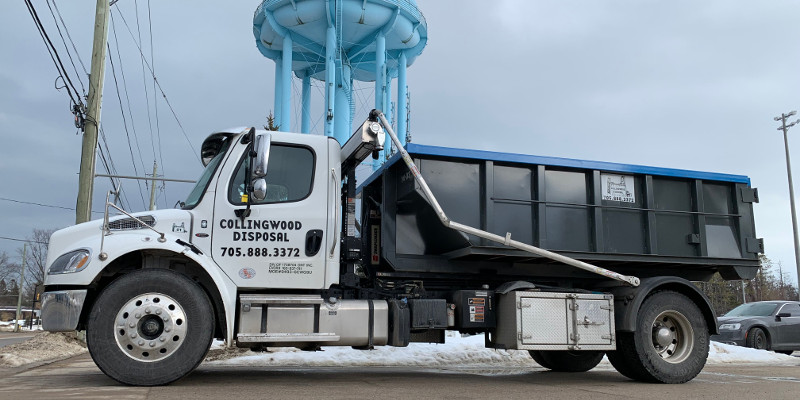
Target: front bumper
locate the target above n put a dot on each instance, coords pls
(730, 337)
(61, 310)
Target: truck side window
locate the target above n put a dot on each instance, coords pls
(290, 175)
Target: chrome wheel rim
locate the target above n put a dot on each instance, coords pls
(150, 327)
(672, 336)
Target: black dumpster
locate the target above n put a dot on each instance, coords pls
(638, 220)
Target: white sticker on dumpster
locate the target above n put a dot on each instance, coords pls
(618, 188)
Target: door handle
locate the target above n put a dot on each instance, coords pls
(313, 242)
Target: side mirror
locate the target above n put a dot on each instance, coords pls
(261, 148)
(260, 189)
(782, 315)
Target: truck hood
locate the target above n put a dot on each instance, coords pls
(173, 222)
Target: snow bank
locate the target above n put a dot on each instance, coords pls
(459, 352)
(45, 346)
(720, 353)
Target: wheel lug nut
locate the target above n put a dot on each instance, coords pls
(162, 339)
(147, 310)
(137, 315)
(133, 335)
(166, 317)
(158, 312)
(132, 325)
(167, 329)
(152, 344)
(141, 343)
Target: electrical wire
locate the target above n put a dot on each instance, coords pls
(21, 240)
(42, 205)
(127, 98)
(161, 89)
(155, 102)
(72, 92)
(69, 54)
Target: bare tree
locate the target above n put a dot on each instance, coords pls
(36, 257)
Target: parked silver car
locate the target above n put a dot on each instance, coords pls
(769, 325)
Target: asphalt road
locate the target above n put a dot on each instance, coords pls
(7, 338)
(78, 377)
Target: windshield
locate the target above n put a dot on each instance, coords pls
(753, 310)
(200, 187)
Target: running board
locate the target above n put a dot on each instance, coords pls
(280, 299)
(286, 337)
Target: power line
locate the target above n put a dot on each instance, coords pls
(21, 240)
(42, 205)
(155, 102)
(161, 89)
(62, 71)
(127, 97)
(69, 54)
(122, 111)
(77, 53)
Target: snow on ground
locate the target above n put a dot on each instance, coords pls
(44, 346)
(459, 352)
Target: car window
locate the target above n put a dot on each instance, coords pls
(753, 310)
(791, 308)
(290, 173)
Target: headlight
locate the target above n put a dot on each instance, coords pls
(73, 261)
(730, 327)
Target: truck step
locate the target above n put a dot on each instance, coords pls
(286, 337)
(280, 299)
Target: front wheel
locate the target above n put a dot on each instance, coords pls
(757, 339)
(670, 344)
(567, 361)
(150, 327)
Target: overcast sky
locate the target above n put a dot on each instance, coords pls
(678, 84)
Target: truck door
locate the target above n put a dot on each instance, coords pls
(281, 244)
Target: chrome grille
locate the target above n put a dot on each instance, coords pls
(130, 223)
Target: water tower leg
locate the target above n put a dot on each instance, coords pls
(330, 79)
(380, 81)
(402, 98)
(277, 103)
(305, 112)
(342, 117)
(387, 105)
(286, 86)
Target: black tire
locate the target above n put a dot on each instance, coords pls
(670, 344)
(621, 361)
(537, 356)
(567, 361)
(757, 339)
(173, 325)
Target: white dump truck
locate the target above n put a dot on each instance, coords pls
(278, 245)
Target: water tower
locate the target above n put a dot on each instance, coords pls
(337, 42)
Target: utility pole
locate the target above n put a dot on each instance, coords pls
(20, 286)
(785, 127)
(153, 188)
(83, 208)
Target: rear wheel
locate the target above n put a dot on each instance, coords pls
(150, 327)
(670, 344)
(537, 356)
(757, 339)
(567, 361)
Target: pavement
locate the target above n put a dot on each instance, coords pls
(78, 377)
(8, 338)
